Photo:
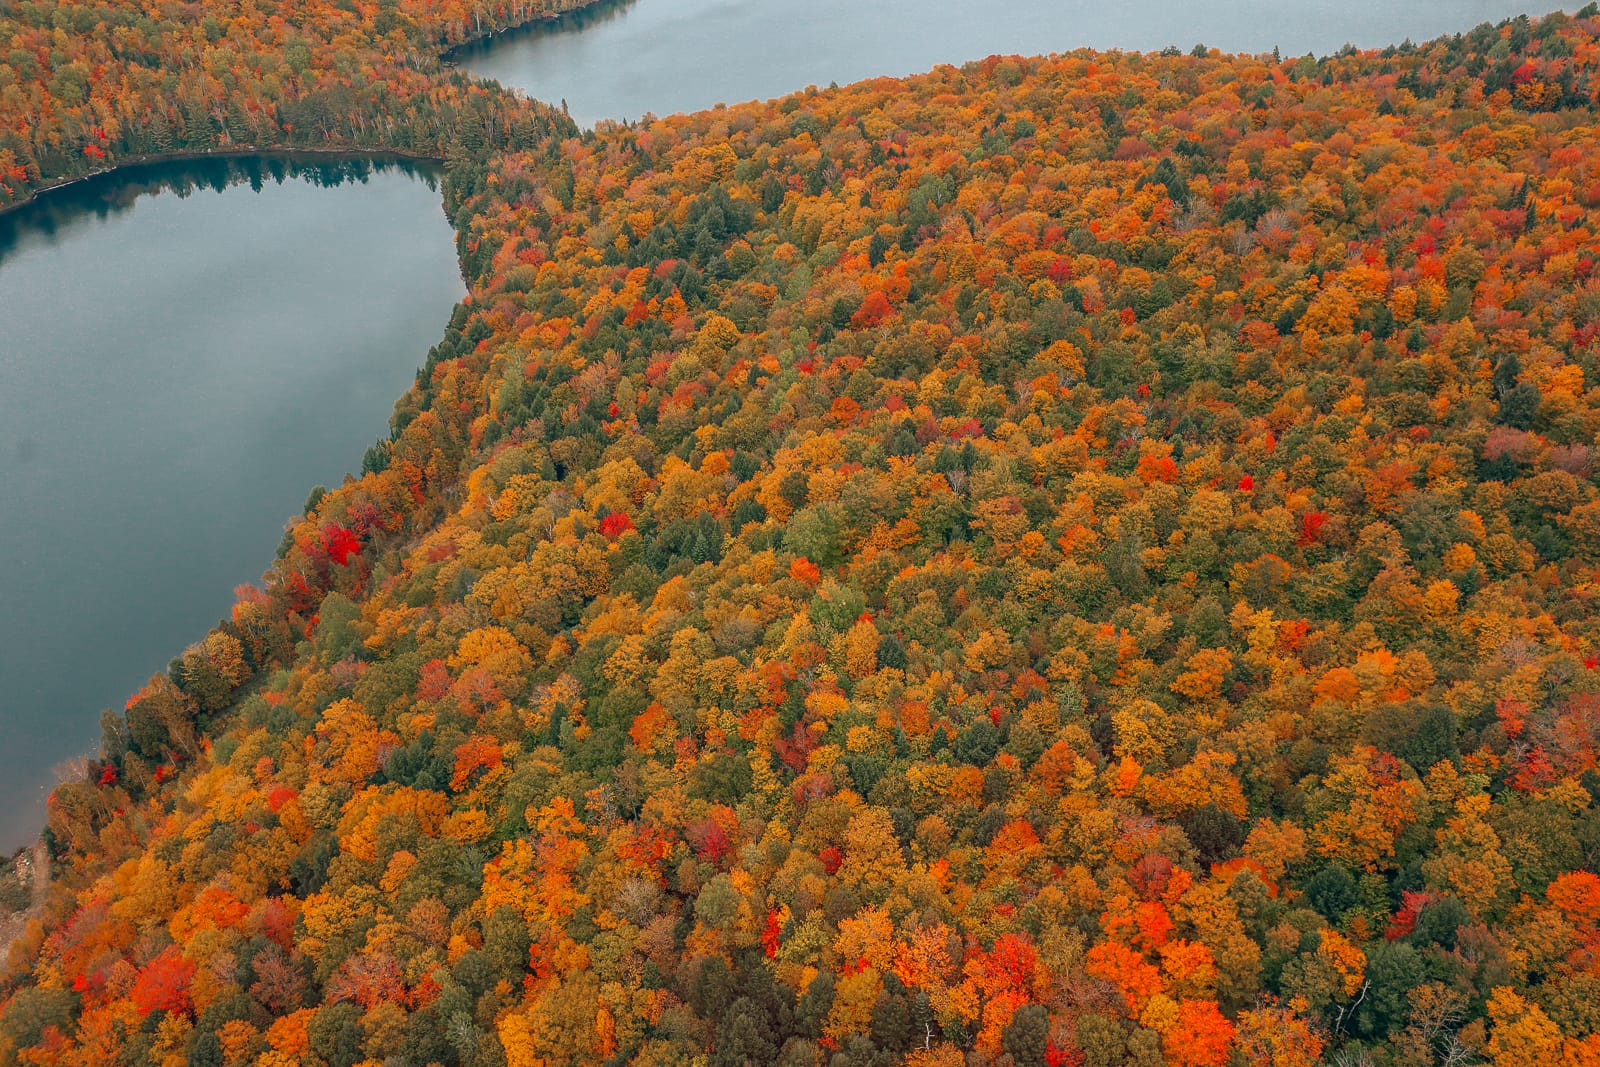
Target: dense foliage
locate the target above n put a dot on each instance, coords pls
(88, 84)
(1087, 560)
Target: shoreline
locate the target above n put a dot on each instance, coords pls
(442, 56)
(446, 56)
(243, 152)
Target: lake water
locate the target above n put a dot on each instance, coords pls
(185, 351)
(629, 57)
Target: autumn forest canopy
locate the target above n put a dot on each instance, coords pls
(1086, 560)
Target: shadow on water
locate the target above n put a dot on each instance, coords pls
(116, 191)
(570, 22)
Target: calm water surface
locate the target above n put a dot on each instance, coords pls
(662, 56)
(184, 352)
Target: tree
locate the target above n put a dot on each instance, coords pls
(872, 855)
(744, 1037)
(1201, 1036)
(161, 720)
(718, 903)
(1026, 1038)
(1275, 1037)
(163, 984)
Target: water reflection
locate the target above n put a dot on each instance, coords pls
(105, 195)
(567, 23)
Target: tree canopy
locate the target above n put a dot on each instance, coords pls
(1080, 560)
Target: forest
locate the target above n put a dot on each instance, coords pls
(1083, 560)
(88, 84)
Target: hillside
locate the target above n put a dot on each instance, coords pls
(87, 85)
(1082, 560)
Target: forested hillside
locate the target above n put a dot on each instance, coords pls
(88, 84)
(1072, 561)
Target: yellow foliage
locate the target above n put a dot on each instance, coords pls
(494, 649)
(1348, 962)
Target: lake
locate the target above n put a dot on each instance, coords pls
(185, 350)
(629, 57)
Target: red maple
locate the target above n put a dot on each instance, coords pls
(163, 984)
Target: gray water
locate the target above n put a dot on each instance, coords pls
(184, 352)
(632, 57)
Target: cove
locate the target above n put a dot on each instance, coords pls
(185, 350)
(625, 58)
